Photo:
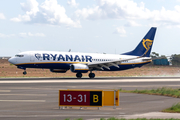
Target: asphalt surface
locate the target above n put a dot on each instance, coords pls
(37, 98)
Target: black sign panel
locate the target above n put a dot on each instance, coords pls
(96, 98)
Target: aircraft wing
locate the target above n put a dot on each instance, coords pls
(107, 64)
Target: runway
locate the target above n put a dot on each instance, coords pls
(37, 98)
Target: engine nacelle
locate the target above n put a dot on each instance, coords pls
(58, 70)
(82, 68)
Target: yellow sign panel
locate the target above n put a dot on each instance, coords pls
(111, 98)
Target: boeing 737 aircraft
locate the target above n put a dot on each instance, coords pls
(79, 63)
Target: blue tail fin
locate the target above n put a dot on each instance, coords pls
(145, 46)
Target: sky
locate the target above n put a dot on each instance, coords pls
(91, 26)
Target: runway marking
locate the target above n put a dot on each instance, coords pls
(5, 90)
(144, 115)
(31, 88)
(90, 81)
(26, 94)
(154, 102)
(22, 100)
(143, 102)
(68, 115)
(151, 115)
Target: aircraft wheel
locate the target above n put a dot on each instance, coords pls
(79, 75)
(91, 75)
(24, 73)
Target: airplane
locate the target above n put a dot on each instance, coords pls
(61, 62)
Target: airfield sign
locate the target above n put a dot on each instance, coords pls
(80, 98)
(89, 98)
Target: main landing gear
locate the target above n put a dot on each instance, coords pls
(78, 75)
(91, 75)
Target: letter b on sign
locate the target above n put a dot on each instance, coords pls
(96, 98)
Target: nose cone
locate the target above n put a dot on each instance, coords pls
(12, 60)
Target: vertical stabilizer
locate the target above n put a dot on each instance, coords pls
(145, 46)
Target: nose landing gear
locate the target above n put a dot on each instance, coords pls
(24, 73)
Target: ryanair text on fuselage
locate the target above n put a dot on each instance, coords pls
(60, 57)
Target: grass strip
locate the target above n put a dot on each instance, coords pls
(160, 91)
(126, 119)
(174, 109)
(137, 119)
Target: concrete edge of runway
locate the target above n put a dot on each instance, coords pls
(97, 78)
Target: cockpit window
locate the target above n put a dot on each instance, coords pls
(19, 55)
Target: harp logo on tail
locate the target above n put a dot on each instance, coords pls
(147, 43)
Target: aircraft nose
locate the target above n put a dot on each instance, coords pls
(12, 60)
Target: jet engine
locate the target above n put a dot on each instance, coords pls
(81, 68)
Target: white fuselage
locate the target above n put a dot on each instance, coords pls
(59, 60)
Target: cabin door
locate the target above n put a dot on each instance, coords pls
(32, 57)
